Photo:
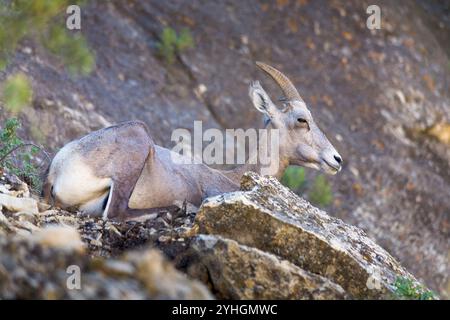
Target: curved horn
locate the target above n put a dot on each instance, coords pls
(285, 84)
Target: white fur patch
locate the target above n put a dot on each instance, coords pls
(74, 182)
(105, 212)
(95, 206)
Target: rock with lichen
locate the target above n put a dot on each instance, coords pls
(236, 271)
(267, 216)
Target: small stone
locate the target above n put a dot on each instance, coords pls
(164, 239)
(68, 221)
(400, 96)
(4, 220)
(162, 280)
(189, 232)
(48, 103)
(27, 50)
(59, 237)
(18, 204)
(43, 206)
(200, 90)
(96, 242)
(48, 213)
(25, 216)
(89, 106)
(118, 268)
(4, 189)
(26, 225)
(113, 229)
(164, 222)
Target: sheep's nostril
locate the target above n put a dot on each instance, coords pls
(338, 159)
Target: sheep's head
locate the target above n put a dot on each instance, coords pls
(301, 140)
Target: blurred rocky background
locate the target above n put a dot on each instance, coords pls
(381, 95)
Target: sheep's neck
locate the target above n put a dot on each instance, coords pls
(276, 167)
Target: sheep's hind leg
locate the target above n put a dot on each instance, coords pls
(117, 204)
(122, 186)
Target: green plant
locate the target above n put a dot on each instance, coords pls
(22, 163)
(43, 22)
(320, 193)
(294, 178)
(171, 44)
(17, 92)
(407, 289)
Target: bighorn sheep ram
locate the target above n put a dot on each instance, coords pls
(118, 172)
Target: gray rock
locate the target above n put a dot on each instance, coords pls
(18, 204)
(237, 271)
(268, 216)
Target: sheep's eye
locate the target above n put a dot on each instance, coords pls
(303, 122)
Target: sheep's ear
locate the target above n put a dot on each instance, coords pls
(261, 100)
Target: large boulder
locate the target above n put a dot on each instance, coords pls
(236, 271)
(271, 218)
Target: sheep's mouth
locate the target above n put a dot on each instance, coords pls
(333, 169)
(320, 164)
